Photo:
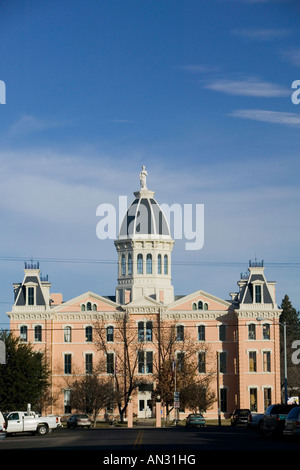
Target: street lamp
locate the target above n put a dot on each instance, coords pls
(285, 356)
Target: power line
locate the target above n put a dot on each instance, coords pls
(217, 263)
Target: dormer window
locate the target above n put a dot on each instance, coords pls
(258, 294)
(30, 294)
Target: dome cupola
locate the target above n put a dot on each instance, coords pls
(144, 245)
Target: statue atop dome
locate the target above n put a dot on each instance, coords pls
(143, 177)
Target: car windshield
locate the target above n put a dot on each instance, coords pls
(294, 413)
(83, 417)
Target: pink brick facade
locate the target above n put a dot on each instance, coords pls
(242, 334)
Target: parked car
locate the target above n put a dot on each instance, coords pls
(2, 427)
(255, 420)
(22, 421)
(195, 419)
(79, 420)
(292, 423)
(274, 419)
(239, 416)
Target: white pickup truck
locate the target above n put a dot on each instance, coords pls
(21, 421)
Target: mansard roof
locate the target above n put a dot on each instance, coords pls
(20, 292)
(255, 276)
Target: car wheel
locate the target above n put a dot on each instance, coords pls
(42, 429)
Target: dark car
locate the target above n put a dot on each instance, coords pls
(239, 416)
(292, 423)
(195, 419)
(274, 419)
(79, 420)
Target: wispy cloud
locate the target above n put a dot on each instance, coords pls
(266, 34)
(248, 87)
(274, 117)
(292, 56)
(28, 124)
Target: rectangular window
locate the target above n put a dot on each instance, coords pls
(89, 334)
(23, 333)
(68, 363)
(201, 333)
(149, 331)
(180, 361)
(30, 296)
(89, 363)
(253, 399)
(266, 361)
(251, 331)
(149, 362)
(67, 401)
(201, 362)
(110, 334)
(145, 362)
(267, 398)
(257, 294)
(222, 332)
(223, 362)
(223, 400)
(110, 363)
(141, 333)
(67, 334)
(266, 331)
(38, 334)
(252, 361)
(141, 363)
(180, 333)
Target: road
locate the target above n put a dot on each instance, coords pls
(149, 441)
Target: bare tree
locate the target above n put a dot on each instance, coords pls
(90, 394)
(122, 364)
(178, 367)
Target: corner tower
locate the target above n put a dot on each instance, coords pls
(144, 247)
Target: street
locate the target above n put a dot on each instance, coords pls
(145, 440)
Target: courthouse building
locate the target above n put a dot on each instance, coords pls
(242, 334)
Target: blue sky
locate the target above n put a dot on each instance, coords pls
(199, 91)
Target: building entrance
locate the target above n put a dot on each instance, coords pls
(145, 408)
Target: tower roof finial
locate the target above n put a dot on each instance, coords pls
(143, 177)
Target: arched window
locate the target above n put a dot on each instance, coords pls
(129, 263)
(205, 306)
(38, 333)
(194, 306)
(123, 265)
(180, 333)
(110, 334)
(88, 334)
(23, 333)
(94, 307)
(149, 264)
(140, 263)
(166, 264)
(200, 305)
(67, 334)
(83, 308)
(89, 306)
(159, 264)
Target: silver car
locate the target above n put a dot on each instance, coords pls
(79, 420)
